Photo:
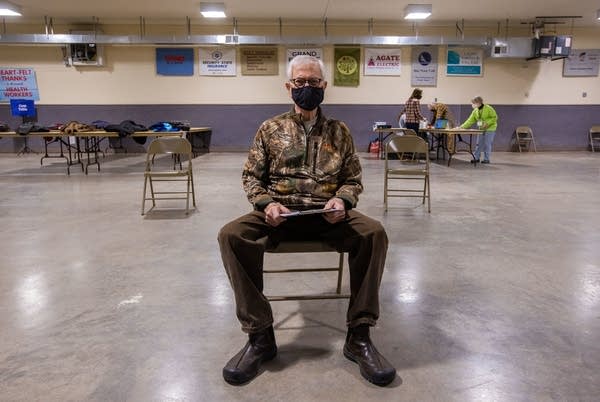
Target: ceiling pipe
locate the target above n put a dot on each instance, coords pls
(95, 22)
(280, 28)
(142, 28)
(460, 29)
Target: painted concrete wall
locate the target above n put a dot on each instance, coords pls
(129, 77)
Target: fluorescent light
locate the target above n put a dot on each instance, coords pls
(417, 11)
(9, 9)
(213, 14)
(598, 15)
(212, 10)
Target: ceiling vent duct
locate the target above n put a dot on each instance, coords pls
(87, 53)
(516, 48)
(61, 39)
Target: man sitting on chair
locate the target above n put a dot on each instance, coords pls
(302, 160)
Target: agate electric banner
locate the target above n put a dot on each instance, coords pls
(382, 61)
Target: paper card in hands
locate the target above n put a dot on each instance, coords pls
(307, 212)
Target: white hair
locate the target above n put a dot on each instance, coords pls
(302, 60)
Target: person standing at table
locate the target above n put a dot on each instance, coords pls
(440, 111)
(486, 119)
(412, 110)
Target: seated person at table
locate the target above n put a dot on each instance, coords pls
(304, 160)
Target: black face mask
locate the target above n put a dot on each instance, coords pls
(307, 97)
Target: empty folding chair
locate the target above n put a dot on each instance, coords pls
(594, 137)
(178, 147)
(407, 166)
(524, 138)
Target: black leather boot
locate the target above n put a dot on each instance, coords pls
(373, 366)
(244, 366)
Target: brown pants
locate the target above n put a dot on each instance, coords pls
(244, 240)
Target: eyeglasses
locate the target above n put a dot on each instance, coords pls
(300, 82)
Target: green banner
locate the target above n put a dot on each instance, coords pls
(347, 67)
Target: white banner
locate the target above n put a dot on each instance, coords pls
(582, 63)
(217, 61)
(309, 51)
(424, 66)
(382, 61)
(18, 83)
(313, 51)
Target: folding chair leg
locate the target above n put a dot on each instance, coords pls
(428, 195)
(385, 192)
(152, 192)
(187, 196)
(193, 191)
(144, 194)
(338, 289)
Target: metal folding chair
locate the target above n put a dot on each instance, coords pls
(308, 246)
(594, 137)
(406, 166)
(523, 139)
(177, 147)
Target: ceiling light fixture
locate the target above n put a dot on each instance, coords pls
(212, 10)
(9, 9)
(417, 11)
(598, 14)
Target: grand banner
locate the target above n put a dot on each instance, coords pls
(305, 51)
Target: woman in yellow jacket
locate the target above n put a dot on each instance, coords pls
(486, 119)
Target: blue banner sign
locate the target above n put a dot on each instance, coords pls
(175, 61)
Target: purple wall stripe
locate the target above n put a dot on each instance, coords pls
(555, 127)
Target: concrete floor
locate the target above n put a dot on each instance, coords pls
(494, 296)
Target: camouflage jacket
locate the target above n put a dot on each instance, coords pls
(300, 170)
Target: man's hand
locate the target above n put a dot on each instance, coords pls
(273, 213)
(339, 214)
